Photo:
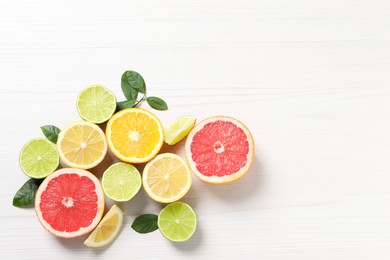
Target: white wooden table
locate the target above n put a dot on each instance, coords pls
(310, 78)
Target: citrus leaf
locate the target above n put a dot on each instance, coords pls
(25, 196)
(132, 83)
(51, 132)
(125, 104)
(145, 223)
(157, 103)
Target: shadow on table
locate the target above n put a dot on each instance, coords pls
(192, 244)
(241, 189)
(73, 243)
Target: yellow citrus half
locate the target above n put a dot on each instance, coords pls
(134, 135)
(166, 178)
(82, 145)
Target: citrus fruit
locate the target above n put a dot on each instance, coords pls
(107, 230)
(69, 202)
(96, 104)
(219, 149)
(179, 129)
(121, 181)
(82, 145)
(38, 158)
(177, 222)
(134, 135)
(166, 178)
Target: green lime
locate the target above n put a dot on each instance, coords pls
(177, 221)
(38, 158)
(121, 181)
(96, 104)
(179, 129)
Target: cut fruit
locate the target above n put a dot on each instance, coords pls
(38, 158)
(134, 135)
(96, 104)
(121, 181)
(179, 129)
(220, 149)
(107, 230)
(166, 178)
(69, 202)
(82, 145)
(177, 222)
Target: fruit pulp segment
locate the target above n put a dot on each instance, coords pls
(220, 148)
(135, 135)
(167, 177)
(82, 144)
(69, 202)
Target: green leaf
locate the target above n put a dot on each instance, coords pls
(51, 132)
(125, 104)
(157, 103)
(145, 223)
(25, 196)
(132, 83)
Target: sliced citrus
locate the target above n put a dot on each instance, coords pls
(38, 158)
(220, 149)
(82, 145)
(121, 181)
(179, 129)
(134, 135)
(69, 202)
(166, 178)
(108, 228)
(177, 222)
(96, 104)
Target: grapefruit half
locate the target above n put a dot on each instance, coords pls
(220, 149)
(69, 202)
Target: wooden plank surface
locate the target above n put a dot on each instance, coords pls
(309, 78)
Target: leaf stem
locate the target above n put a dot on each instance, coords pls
(141, 100)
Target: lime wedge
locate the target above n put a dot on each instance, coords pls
(96, 104)
(179, 129)
(38, 158)
(121, 181)
(177, 222)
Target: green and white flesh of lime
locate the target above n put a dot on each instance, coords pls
(121, 181)
(177, 222)
(96, 104)
(38, 158)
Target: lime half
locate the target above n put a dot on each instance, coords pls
(38, 158)
(177, 222)
(179, 129)
(96, 104)
(121, 181)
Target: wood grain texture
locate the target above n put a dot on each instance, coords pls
(309, 78)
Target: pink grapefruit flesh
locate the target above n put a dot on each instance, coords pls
(220, 149)
(69, 202)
